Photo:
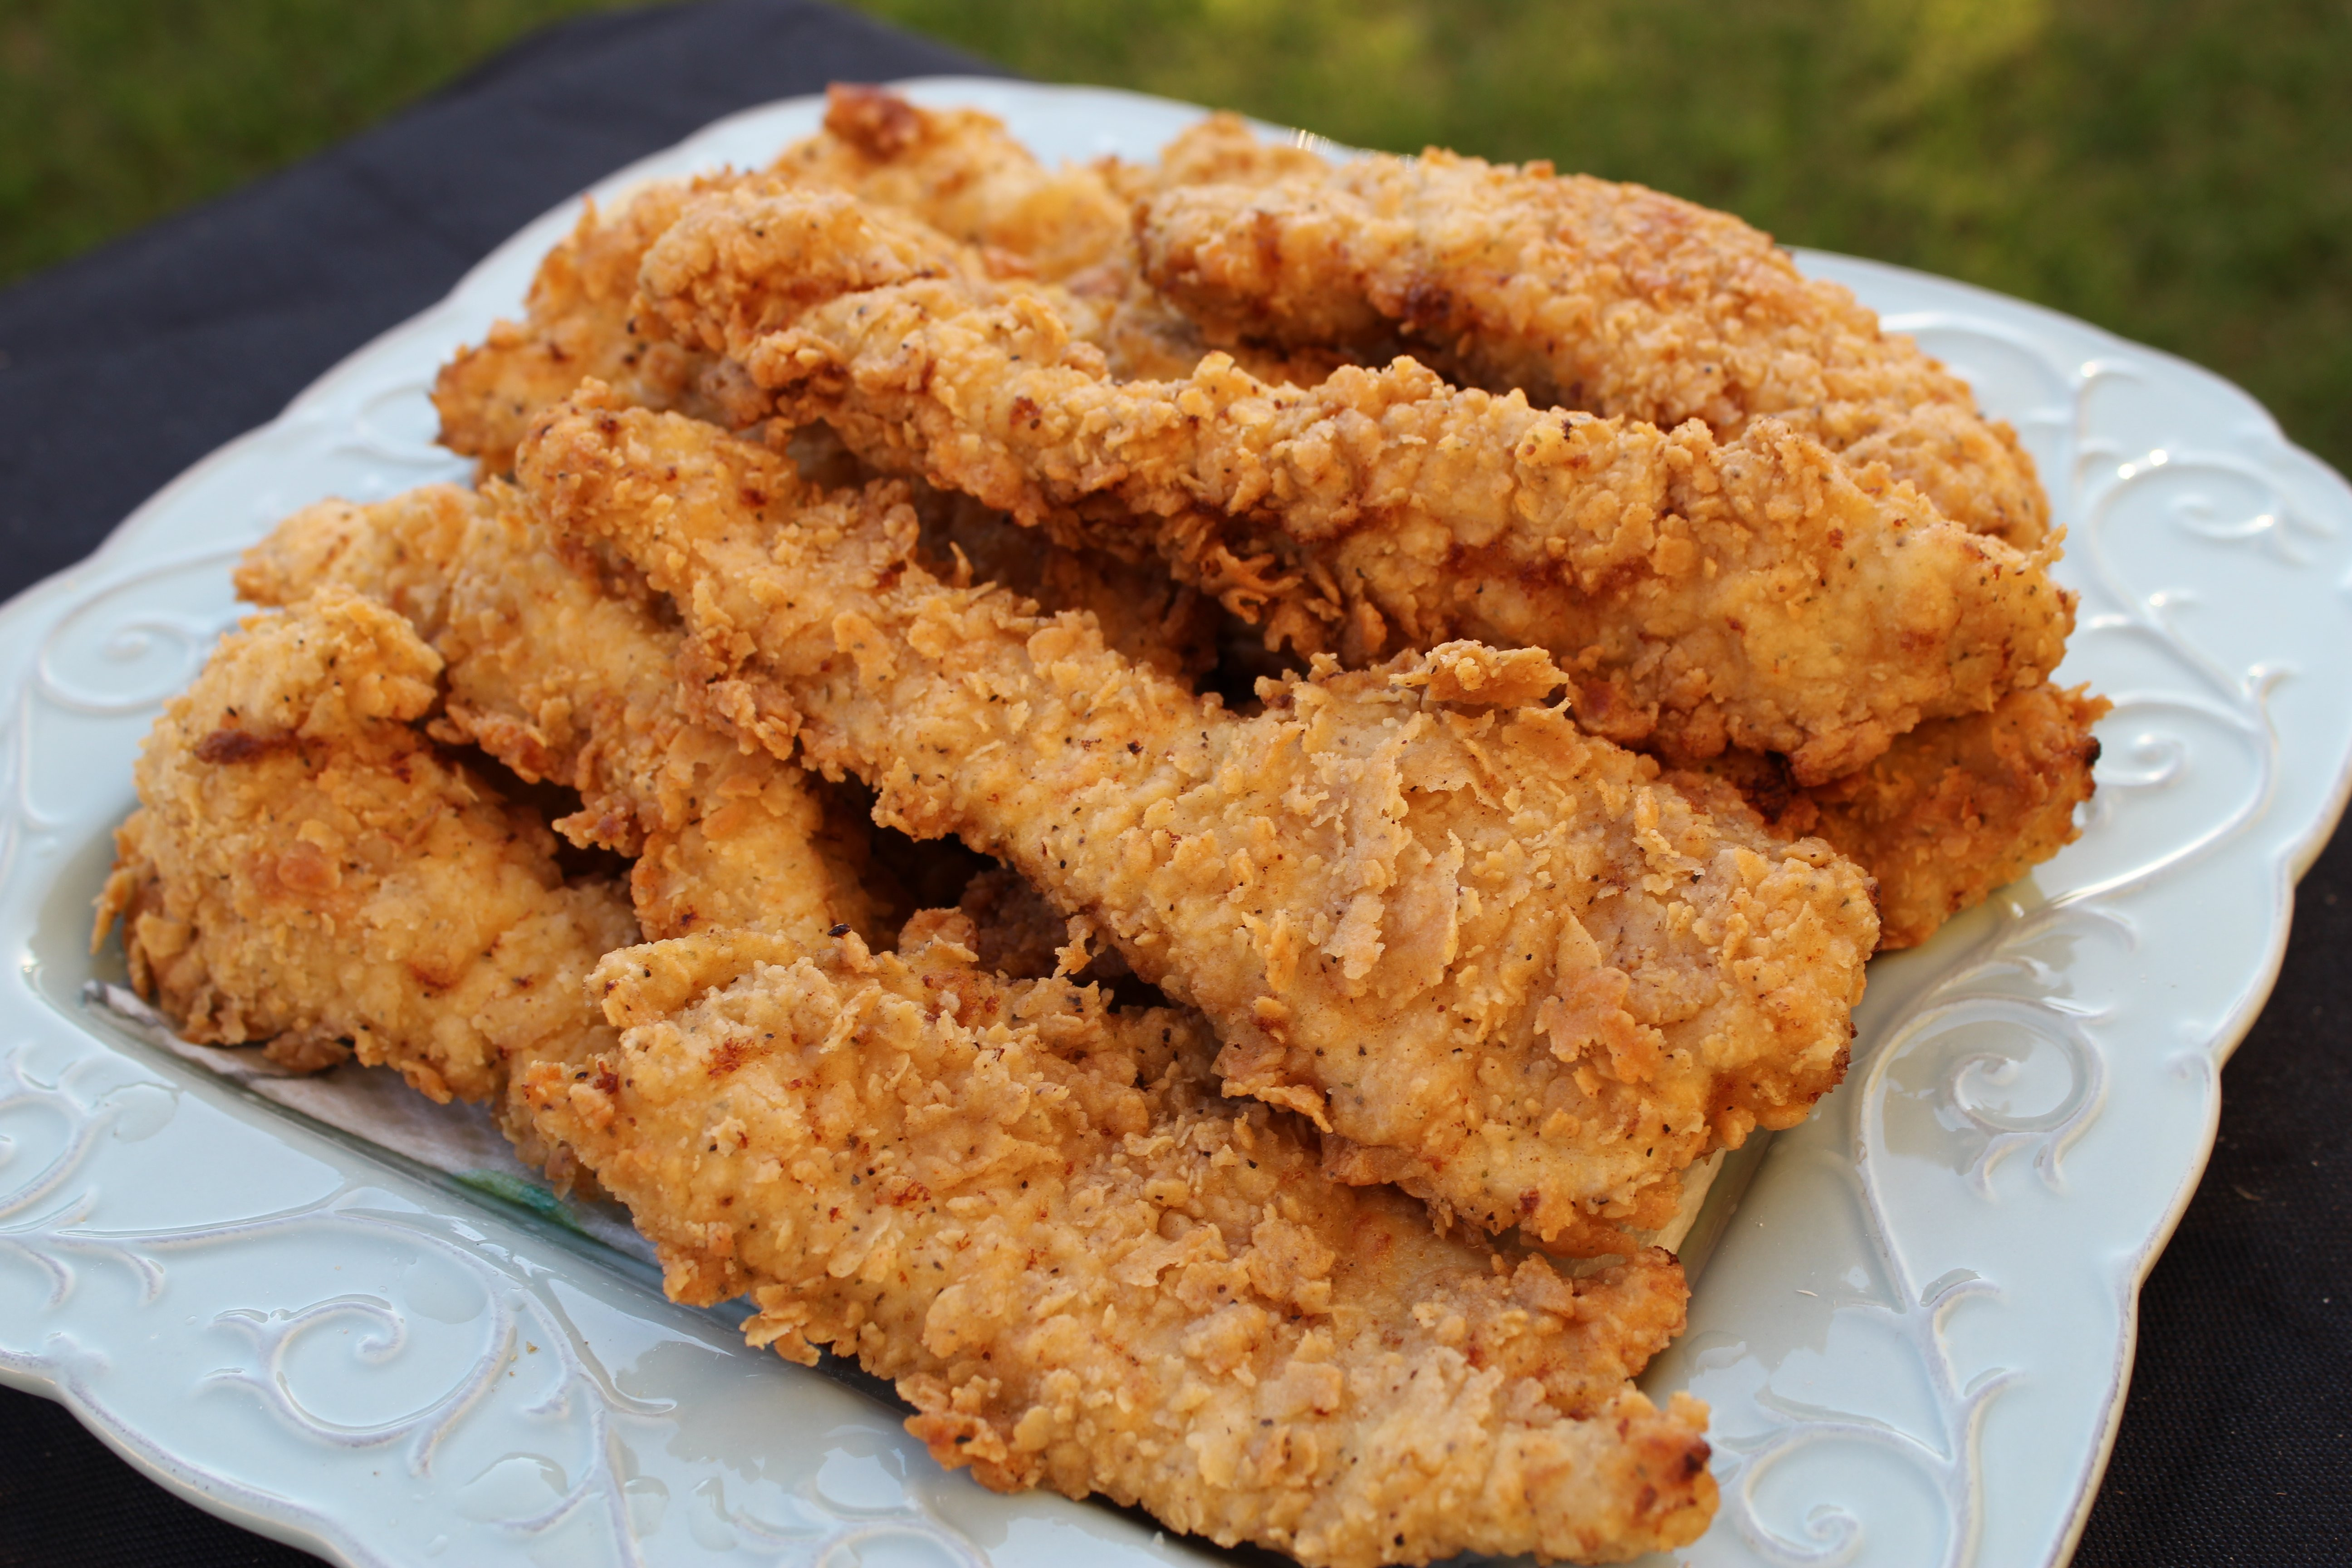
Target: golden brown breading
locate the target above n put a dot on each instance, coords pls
(1706, 595)
(1088, 1270)
(1503, 964)
(1220, 149)
(560, 668)
(956, 171)
(402, 553)
(579, 322)
(1586, 294)
(1955, 809)
(960, 172)
(305, 868)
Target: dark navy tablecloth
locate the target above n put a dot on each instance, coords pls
(120, 368)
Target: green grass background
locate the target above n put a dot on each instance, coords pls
(2179, 171)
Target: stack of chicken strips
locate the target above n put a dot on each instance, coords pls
(1438, 676)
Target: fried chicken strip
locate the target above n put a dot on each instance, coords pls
(1750, 594)
(1495, 957)
(1087, 1271)
(560, 668)
(561, 664)
(306, 868)
(1586, 294)
(579, 322)
(1955, 809)
(960, 172)
(1990, 818)
(956, 171)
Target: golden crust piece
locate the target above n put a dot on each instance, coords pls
(559, 667)
(579, 322)
(1955, 809)
(957, 172)
(1750, 594)
(956, 169)
(306, 868)
(960, 172)
(400, 552)
(1585, 294)
(1497, 960)
(1088, 1270)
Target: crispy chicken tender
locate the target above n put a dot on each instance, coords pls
(306, 868)
(956, 171)
(960, 172)
(579, 321)
(1496, 958)
(402, 553)
(1586, 294)
(1088, 1271)
(559, 666)
(1705, 594)
(1955, 809)
(1219, 150)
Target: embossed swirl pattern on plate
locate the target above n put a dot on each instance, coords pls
(1999, 1055)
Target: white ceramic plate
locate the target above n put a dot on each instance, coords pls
(1914, 1336)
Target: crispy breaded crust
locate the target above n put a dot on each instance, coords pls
(1748, 593)
(579, 322)
(1958, 809)
(1088, 1270)
(402, 553)
(1586, 294)
(1498, 960)
(306, 868)
(960, 172)
(956, 170)
(1955, 809)
(559, 667)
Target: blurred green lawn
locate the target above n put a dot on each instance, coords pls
(2179, 171)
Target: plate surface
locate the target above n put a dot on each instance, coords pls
(1916, 1332)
